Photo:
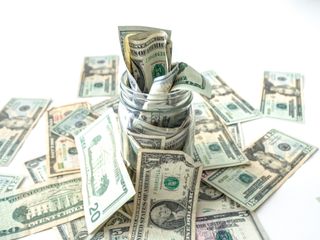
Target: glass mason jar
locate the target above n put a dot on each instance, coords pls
(154, 121)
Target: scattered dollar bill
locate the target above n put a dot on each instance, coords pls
(117, 232)
(167, 188)
(24, 212)
(37, 169)
(17, 118)
(99, 76)
(214, 145)
(274, 158)
(62, 156)
(230, 107)
(282, 96)
(219, 217)
(9, 182)
(106, 183)
(236, 133)
(38, 172)
(74, 123)
(240, 225)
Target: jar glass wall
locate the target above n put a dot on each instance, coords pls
(154, 121)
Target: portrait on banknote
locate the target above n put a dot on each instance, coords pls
(208, 126)
(209, 193)
(270, 161)
(284, 89)
(97, 66)
(168, 215)
(221, 90)
(15, 122)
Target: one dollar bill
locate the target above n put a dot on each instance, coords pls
(167, 188)
(274, 158)
(106, 182)
(282, 96)
(17, 118)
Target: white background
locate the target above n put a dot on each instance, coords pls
(43, 44)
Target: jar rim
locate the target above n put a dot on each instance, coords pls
(136, 100)
(140, 95)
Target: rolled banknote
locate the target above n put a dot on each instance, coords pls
(148, 56)
(148, 141)
(126, 31)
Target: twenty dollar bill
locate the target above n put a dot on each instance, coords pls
(17, 119)
(230, 107)
(214, 145)
(99, 76)
(106, 183)
(24, 212)
(274, 158)
(282, 96)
